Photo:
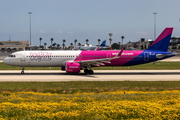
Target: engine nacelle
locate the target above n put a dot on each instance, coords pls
(72, 67)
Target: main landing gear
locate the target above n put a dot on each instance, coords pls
(22, 72)
(86, 71)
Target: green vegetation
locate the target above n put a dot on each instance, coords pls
(89, 86)
(148, 66)
(7, 67)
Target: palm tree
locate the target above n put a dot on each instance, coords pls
(63, 43)
(71, 44)
(79, 44)
(99, 40)
(122, 37)
(51, 41)
(54, 44)
(40, 41)
(87, 41)
(45, 45)
(75, 42)
(58, 45)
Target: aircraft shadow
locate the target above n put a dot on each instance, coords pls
(140, 73)
(45, 74)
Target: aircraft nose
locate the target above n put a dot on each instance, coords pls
(5, 61)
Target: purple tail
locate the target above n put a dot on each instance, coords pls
(162, 42)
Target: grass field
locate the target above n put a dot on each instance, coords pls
(149, 66)
(89, 86)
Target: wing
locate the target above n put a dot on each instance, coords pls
(98, 62)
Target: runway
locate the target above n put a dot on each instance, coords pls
(99, 75)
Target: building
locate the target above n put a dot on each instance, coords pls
(140, 45)
(11, 46)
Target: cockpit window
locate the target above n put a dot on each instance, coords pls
(12, 56)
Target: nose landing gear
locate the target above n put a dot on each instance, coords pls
(22, 72)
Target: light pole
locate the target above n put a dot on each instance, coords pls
(30, 25)
(154, 25)
(110, 35)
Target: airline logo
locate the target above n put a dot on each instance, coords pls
(123, 53)
(40, 56)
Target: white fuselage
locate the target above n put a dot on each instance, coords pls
(41, 58)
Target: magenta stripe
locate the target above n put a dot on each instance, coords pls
(88, 55)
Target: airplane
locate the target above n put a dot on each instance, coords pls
(74, 61)
(103, 45)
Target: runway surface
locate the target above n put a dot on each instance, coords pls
(99, 75)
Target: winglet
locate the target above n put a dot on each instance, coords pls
(119, 54)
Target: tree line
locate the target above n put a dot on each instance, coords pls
(55, 45)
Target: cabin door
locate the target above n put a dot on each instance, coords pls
(109, 55)
(146, 56)
(80, 57)
(22, 59)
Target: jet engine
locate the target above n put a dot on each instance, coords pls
(72, 67)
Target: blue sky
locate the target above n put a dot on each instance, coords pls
(87, 19)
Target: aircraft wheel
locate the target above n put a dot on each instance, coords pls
(91, 72)
(86, 71)
(22, 72)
